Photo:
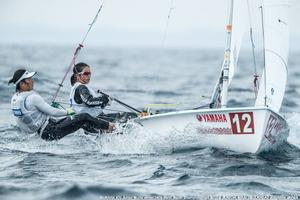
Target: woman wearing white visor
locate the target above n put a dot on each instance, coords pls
(33, 114)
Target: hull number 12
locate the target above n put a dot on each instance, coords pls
(242, 123)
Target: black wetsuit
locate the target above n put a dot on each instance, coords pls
(58, 129)
(83, 95)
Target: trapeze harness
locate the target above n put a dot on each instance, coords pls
(83, 99)
(33, 114)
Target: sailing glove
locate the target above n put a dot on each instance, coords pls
(55, 104)
(110, 99)
(70, 111)
(105, 100)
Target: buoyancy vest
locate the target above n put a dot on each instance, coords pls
(83, 108)
(28, 120)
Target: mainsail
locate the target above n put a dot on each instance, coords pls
(276, 47)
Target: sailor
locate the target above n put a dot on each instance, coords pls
(83, 99)
(33, 114)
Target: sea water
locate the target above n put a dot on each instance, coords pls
(137, 163)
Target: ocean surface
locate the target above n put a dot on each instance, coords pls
(136, 164)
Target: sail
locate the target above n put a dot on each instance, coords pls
(276, 44)
(240, 25)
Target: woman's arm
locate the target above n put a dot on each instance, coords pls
(82, 94)
(37, 101)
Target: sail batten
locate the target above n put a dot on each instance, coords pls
(279, 56)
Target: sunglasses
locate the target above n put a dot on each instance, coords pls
(85, 73)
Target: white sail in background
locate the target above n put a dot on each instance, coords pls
(240, 25)
(276, 36)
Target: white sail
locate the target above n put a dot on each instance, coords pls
(240, 25)
(276, 43)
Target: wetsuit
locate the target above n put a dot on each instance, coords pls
(57, 129)
(33, 114)
(84, 99)
(83, 95)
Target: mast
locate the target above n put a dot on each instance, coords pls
(225, 72)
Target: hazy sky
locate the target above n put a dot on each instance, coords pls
(122, 22)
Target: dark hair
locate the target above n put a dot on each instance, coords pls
(17, 75)
(77, 69)
(19, 85)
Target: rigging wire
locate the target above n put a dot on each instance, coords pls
(264, 55)
(168, 21)
(76, 53)
(255, 81)
(164, 36)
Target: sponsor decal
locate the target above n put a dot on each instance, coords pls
(242, 123)
(273, 128)
(211, 118)
(216, 131)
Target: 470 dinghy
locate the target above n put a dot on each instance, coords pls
(242, 129)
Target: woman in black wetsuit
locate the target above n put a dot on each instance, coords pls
(83, 99)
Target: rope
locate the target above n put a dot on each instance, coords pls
(203, 106)
(93, 22)
(255, 81)
(167, 23)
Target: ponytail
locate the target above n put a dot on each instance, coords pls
(73, 79)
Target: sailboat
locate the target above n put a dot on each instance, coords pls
(242, 129)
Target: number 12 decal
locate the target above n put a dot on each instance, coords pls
(242, 123)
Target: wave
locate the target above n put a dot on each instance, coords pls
(293, 121)
(65, 191)
(80, 192)
(136, 140)
(254, 187)
(263, 169)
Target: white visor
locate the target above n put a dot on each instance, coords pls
(27, 74)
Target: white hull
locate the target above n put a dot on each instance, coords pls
(248, 129)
